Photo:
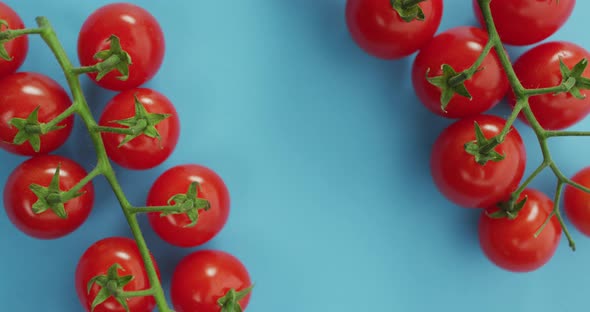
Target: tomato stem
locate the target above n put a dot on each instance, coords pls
(61, 117)
(154, 209)
(71, 193)
(80, 106)
(139, 293)
(117, 130)
(551, 134)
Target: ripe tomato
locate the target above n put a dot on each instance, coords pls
(204, 276)
(538, 68)
(459, 47)
(461, 179)
(173, 228)
(576, 203)
(98, 258)
(17, 48)
(23, 92)
(379, 30)
(142, 152)
(511, 244)
(525, 22)
(19, 199)
(140, 35)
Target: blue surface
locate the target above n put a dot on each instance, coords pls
(325, 152)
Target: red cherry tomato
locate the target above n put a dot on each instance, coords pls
(539, 68)
(98, 258)
(17, 48)
(21, 93)
(19, 199)
(511, 244)
(459, 47)
(140, 35)
(173, 228)
(142, 152)
(576, 203)
(461, 179)
(525, 22)
(202, 277)
(379, 30)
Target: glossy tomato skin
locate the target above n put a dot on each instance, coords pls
(463, 181)
(18, 198)
(140, 35)
(17, 48)
(142, 152)
(459, 47)
(538, 68)
(526, 22)
(576, 203)
(176, 180)
(204, 276)
(98, 258)
(378, 29)
(21, 93)
(511, 244)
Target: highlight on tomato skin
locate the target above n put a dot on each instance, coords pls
(464, 182)
(539, 67)
(511, 244)
(527, 22)
(576, 203)
(378, 29)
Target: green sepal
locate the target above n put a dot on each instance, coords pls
(508, 209)
(49, 197)
(482, 148)
(111, 285)
(408, 12)
(29, 130)
(116, 52)
(230, 302)
(188, 203)
(572, 79)
(142, 122)
(448, 90)
(3, 53)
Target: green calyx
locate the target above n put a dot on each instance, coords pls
(51, 197)
(188, 203)
(4, 38)
(572, 80)
(111, 285)
(482, 148)
(142, 122)
(113, 58)
(408, 10)
(450, 83)
(230, 302)
(30, 130)
(508, 209)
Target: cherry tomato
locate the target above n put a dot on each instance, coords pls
(204, 276)
(17, 48)
(19, 199)
(23, 92)
(459, 47)
(379, 30)
(576, 203)
(511, 244)
(98, 258)
(142, 152)
(173, 228)
(465, 182)
(526, 22)
(539, 67)
(140, 35)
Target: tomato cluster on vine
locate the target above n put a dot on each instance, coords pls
(479, 160)
(121, 46)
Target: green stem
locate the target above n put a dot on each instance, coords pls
(149, 209)
(139, 293)
(91, 175)
(558, 215)
(468, 73)
(48, 35)
(550, 134)
(548, 90)
(61, 117)
(530, 179)
(14, 33)
(83, 70)
(114, 130)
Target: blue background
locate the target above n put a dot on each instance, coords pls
(325, 152)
